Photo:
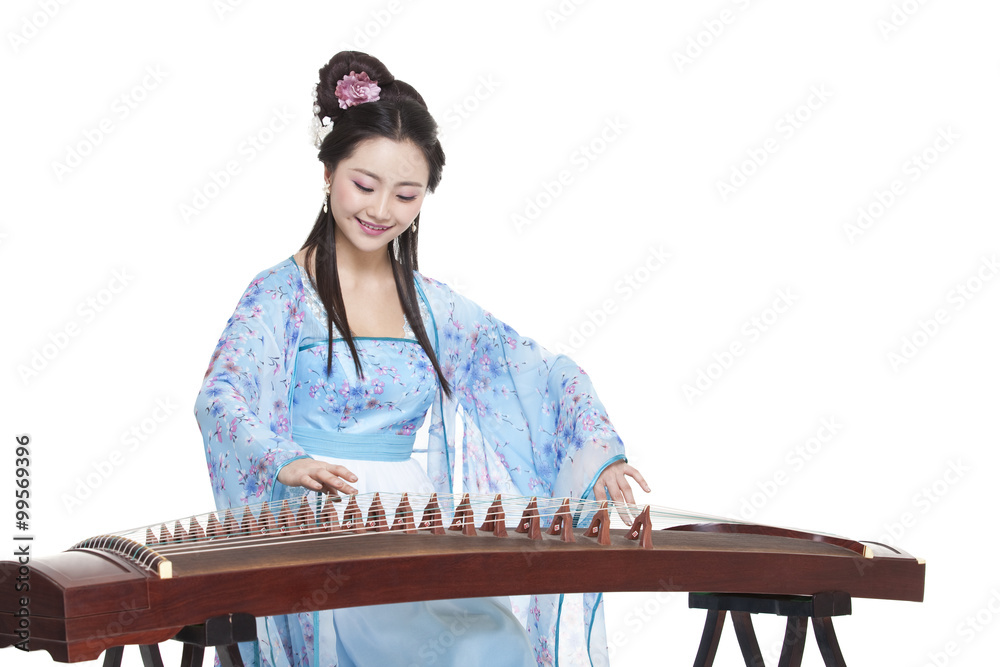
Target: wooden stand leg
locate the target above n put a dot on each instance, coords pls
(113, 656)
(795, 641)
(747, 638)
(229, 656)
(820, 607)
(827, 640)
(222, 632)
(150, 655)
(710, 639)
(193, 656)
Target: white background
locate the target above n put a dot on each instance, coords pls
(115, 300)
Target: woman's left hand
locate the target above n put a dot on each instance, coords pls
(612, 484)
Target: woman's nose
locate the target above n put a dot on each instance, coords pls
(379, 208)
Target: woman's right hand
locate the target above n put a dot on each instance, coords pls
(318, 476)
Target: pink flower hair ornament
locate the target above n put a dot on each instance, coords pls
(355, 89)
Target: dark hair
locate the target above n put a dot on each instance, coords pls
(400, 114)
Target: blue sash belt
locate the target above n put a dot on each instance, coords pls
(355, 446)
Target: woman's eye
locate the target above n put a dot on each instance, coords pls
(363, 188)
(402, 198)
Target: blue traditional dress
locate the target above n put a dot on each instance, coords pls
(532, 426)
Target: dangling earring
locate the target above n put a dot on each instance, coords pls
(395, 248)
(326, 194)
(413, 228)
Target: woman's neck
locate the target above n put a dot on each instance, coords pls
(356, 266)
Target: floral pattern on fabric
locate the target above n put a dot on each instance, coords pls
(532, 425)
(392, 397)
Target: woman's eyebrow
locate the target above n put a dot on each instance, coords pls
(379, 179)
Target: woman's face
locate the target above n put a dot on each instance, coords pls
(377, 192)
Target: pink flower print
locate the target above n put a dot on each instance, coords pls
(406, 430)
(377, 385)
(218, 431)
(511, 343)
(232, 429)
(281, 425)
(588, 423)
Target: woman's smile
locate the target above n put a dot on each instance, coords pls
(371, 228)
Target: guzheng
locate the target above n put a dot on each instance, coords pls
(143, 586)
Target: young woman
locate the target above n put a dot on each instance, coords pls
(333, 359)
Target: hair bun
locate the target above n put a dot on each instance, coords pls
(340, 66)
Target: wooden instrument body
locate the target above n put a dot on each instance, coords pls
(84, 601)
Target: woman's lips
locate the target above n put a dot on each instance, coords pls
(371, 228)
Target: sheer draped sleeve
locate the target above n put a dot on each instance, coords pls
(532, 421)
(243, 406)
(533, 426)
